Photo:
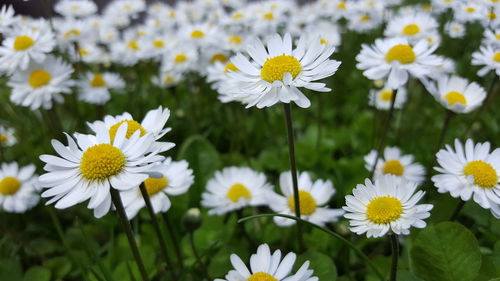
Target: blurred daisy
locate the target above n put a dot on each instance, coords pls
(176, 178)
(89, 53)
(7, 18)
(489, 58)
(127, 52)
(268, 267)
(396, 59)
(395, 163)
(234, 188)
(96, 164)
(468, 11)
(313, 200)
(167, 79)
(492, 36)
(70, 31)
(363, 21)
(75, 8)
(200, 34)
(457, 94)
(413, 27)
(470, 172)
(95, 87)
(18, 188)
(382, 98)
(387, 204)
(153, 123)
(7, 137)
(180, 59)
(41, 84)
(25, 45)
(455, 29)
(275, 74)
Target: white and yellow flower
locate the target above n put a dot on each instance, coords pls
(455, 29)
(75, 8)
(7, 18)
(382, 98)
(457, 94)
(18, 188)
(488, 56)
(95, 87)
(414, 27)
(7, 137)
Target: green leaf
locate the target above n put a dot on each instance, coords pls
(323, 266)
(10, 269)
(37, 273)
(446, 252)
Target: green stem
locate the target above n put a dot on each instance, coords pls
(197, 256)
(444, 129)
(336, 235)
(156, 226)
(171, 232)
(293, 170)
(117, 201)
(395, 256)
(457, 210)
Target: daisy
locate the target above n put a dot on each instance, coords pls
(395, 163)
(313, 200)
(412, 27)
(269, 267)
(387, 204)
(396, 59)
(40, 84)
(469, 11)
(89, 52)
(455, 29)
(7, 137)
(127, 52)
(470, 172)
(457, 94)
(489, 58)
(382, 98)
(180, 58)
(25, 45)
(200, 34)
(7, 18)
(175, 178)
(18, 188)
(153, 123)
(75, 8)
(94, 166)
(167, 79)
(275, 74)
(70, 31)
(234, 188)
(363, 21)
(95, 87)
(492, 37)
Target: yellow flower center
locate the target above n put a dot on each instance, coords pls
(133, 45)
(364, 18)
(9, 185)
(323, 41)
(237, 16)
(197, 34)
(455, 97)
(154, 186)
(384, 209)
(82, 52)
(23, 42)
(393, 167)
(230, 67)
(470, 9)
(484, 174)
(180, 58)
(268, 16)
(218, 58)
(274, 69)
(72, 32)
(427, 7)
(402, 53)
(39, 78)
(168, 79)
(496, 57)
(411, 29)
(235, 39)
(306, 201)
(237, 191)
(101, 162)
(158, 44)
(98, 81)
(497, 36)
(3, 138)
(261, 276)
(341, 6)
(132, 127)
(171, 14)
(386, 95)
(492, 15)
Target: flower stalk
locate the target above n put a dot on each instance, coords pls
(395, 256)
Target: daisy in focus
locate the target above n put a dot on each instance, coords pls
(313, 200)
(234, 188)
(18, 188)
(470, 171)
(95, 87)
(275, 74)
(382, 98)
(91, 166)
(7, 137)
(489, 58)
(176, 178)
(387, 204)
(457, 94)
(395, 163)
(268, 267)
(396, 59)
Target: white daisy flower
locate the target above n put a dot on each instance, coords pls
(199, 35)
(96, 164)
(413, 27)
(470, 172)
(167, 79)
(127, 52)
(89, 53)
(7, 137)
(455, 29)
(75, 8)
(313, 200)
(23, 46)
(396, 59)
(18, 188)
(7, 18)
(155, 47)
(234, 188)
(364, 21)
(129, 8)
(69, 31)
(469, 11)
(180, 58)
(268, 267)
(388, 204)
(492, 37)
(41, 84)
(153, 123)
(275, 74)
(95, 87)
(176, 179)
(326, 32)
(489, 58)
(382, 98)
(395, 163)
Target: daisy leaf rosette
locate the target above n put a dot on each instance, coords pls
(91, 166)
